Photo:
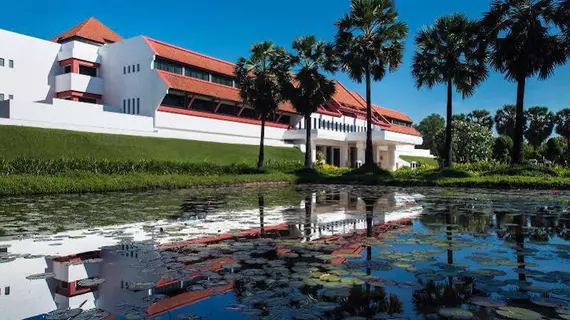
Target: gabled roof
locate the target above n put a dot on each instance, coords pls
(209, 89)
(90, 29)
(174, 53)
(343, 95)
(389, 113)
(402, 129)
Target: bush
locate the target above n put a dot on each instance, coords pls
(374, 170)
(523, 170)
(36, 166)
(471, 142)
(502, 148)
(328, 169)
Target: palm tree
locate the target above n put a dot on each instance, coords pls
(523, 44)
(540, 125)
(310, 88)
(262, 79)
(482, 117)
(449, 52)
(370, 42)
(505, 120)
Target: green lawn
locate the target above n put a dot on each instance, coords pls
(27, 142)
(420, 160)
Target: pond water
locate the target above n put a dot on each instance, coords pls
(310, 252)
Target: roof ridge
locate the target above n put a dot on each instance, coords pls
(99, 21)
(190, 51)
(378, 106)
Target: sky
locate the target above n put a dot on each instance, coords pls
(226, 29)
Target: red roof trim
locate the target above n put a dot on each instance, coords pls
(220, 117)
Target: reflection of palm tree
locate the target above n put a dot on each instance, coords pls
(368, 304)
(308, 212)
(435, 296)
(519, 238)
(261, 205)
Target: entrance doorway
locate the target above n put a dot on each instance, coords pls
(353, 156)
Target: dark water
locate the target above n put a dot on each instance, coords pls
(315, 252)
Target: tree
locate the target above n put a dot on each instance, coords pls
(429, 127)
(505, 120)
(459, 117)
(554, 149)
(482, 117)
(262, 79)
(310, 88)
(523, 44)
(540, 125)
(471, 142)
(563, 128)
(449, 53)
(502, 148)
(370, 43)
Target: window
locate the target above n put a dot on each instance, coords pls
(172, 100)
(128, 105)
(124, 108)
(198, 74)
(227, 109)
(10, 63)
(1, 62)
(284, 119)
(138, 67)
(10, 97)
(6, 291)
(250, 114)
(124, 70)
(128, 69)
(168, 66)
(133, 104)
(88, 100)
(88, 71)
(133, 68)
(67, 69)
(138, 105)
(227, 81)
(315, 123)
(203, 105)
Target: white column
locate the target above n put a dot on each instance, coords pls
(361, 147)
(392, 156)
(344, 155)
(313, 151)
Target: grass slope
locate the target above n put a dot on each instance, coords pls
(420, 160)
(18, 142)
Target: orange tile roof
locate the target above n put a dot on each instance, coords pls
(90, 29)
(343, 95)
(402, 129)
(389, 113)
(192, 58)
(209, 89)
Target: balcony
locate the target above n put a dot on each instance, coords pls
(79, 83)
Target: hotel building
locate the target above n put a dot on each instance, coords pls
(91, 79)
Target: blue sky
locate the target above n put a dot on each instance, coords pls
(226, 29)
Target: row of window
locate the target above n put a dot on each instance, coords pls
(333, 126)
(10, 63)
(132, 69)
(189, 71)
(132, 106)
(401, 123)
(178, 101)
(6, 291)
(10, 97)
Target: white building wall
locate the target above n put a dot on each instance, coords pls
(145, 84)
(78, 82)
(79, 50)
(204, 129)
(35, 67)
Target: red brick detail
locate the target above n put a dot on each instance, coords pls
(76, 95)
(220, 117)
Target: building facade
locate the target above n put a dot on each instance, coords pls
(91, 79)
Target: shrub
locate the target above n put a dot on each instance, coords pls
(471, 142)
(523, 170)
(370, 171)
(502, 148)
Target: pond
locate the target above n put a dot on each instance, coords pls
(304, 252)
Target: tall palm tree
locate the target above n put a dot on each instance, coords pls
(482, 117)
(370, 43)
(540, 125)
(523, 44)
(310, 88)
(449, 52)
(262, 79)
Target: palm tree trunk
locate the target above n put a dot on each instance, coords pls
(261, 204)
(518, 156)
(368, 155)
(308, 149)
(448, 136)
(261, 145)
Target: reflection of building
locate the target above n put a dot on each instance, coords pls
(91, 79)
(123, 257)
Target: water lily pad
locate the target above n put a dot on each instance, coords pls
(518, 313)
(549, 302)
(487, 302)
(455, 313)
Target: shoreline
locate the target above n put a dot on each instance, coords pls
(80, 183)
